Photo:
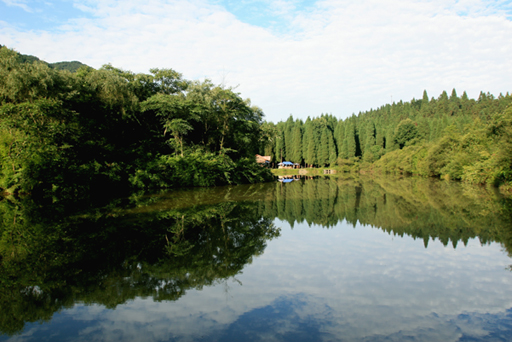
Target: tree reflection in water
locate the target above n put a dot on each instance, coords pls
(160, 246)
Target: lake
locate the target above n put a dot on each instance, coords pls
(325, 259)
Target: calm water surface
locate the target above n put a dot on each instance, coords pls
(311, 260)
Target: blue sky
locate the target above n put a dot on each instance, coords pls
(294, 57)
(46, 15)
(38, 15)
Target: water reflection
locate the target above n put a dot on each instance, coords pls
(110, 255)
(132, 254)
(422, 208)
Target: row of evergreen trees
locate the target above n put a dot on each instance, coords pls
(368, 136)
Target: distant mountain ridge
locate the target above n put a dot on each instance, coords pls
(71, 66)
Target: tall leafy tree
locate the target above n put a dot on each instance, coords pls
(178, 128)
(405, 132)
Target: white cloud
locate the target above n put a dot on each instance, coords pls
(18, 3)
(341, 57)
(359, 284)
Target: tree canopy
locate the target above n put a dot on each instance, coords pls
(63, 131)
(452, 137)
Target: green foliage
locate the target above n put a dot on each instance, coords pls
(72, 133)
(481, 155)
(296, 151)
(54, 256)
(405, 132)
(162, 246)
(449, 137)
(197, 169)
(323, 150)
(72, 66)
(97, 127)
(349, 145)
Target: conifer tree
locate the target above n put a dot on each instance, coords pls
(333, 154)
(280, 144)
(454, 106)
(339, 135)
(296, 154)
(369, 143)
(391, 145)
(465, 104)
(379, 136)
(314, 141)
(323, 149)
(349, 144)
(288, 144)
(423, 129)
(443, 105)
(361, 135)
(305, 139)
(310, 143)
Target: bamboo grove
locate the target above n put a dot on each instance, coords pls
(63, 132)
(452, 137)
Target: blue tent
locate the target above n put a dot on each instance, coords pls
(287, 163)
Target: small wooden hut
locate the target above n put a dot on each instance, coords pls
(264, 160)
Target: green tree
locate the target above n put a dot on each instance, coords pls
(288, 139)
(368, 154)
(323, 149)
(349, 145)
(454, 106)
(405, 132)
(296, 150)
(311, 154)
(178, 128)
(333, 154)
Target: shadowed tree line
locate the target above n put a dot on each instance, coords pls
(72, 133)
(55, 256)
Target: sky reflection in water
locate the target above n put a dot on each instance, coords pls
(316, 284)
(343, 283)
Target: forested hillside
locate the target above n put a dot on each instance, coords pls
(451, 136)
(63, 132)
(72, 66)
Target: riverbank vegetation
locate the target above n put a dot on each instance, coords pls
(73, 133)
(450, 137)
(64, 132)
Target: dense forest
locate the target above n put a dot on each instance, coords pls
(73, 133)
(71, 66)
(451, 137)
(68, 128)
